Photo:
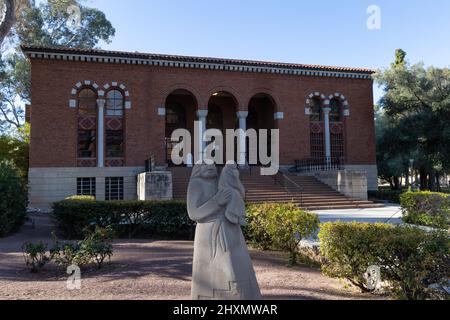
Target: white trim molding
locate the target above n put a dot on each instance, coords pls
(162, 112)
(119, 86)
(343, 100)
(278, 116)
(78, 87)
(194, 63)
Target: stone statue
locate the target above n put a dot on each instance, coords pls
(235, 209)
(222, 268)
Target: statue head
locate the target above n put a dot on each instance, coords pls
(204, 171)
(230, 178)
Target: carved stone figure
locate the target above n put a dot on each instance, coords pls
(222, 268)
(235, 209)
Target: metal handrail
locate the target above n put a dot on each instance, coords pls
(319, 164)
(285, 179)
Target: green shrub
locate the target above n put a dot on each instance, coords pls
(281, 226)
(350, 248)
(35, 255)
(413, 260)
(410, 259)
(95, 248)
(13, 200)
(392, 196)
(427, 209)
(67, 253)
(257, 224)
(81, 198)
(155, 219)
(98, 245)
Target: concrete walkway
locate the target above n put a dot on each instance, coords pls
(388, 214)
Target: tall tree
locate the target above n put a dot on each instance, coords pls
(417, 104)
(65, 23)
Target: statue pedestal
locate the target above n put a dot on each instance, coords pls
(155, 186)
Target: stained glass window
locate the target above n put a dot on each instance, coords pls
(87, 102)
(114, 103)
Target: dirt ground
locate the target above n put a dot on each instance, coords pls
(150, 270)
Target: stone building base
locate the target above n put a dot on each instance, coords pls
(351, 183)
(155, 186)
(48, 185)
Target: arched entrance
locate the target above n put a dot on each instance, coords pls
(180, 114)
(261, 112)
(222, 108)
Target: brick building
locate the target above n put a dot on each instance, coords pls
(97, 116)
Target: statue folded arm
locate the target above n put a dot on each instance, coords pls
(200, 211)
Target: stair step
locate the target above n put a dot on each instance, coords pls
(313, 195)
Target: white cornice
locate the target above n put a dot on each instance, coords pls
(197, 65)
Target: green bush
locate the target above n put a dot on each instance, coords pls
(281, 226)
(410, 259)
(350, 248)
(96, 247)
(81, 198)
(155, 219)
(392, 196)
(427, 209)
(35, 256)
(13, 200)
(257, 224)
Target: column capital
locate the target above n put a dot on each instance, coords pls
(242, 114)
(202, 113)
(101, 102)
(326, 110)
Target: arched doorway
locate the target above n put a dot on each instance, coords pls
(222, 108)
(261, 112)
(180, 114)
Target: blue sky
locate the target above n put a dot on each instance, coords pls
(327, 32)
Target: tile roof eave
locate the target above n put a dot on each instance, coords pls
(150, 56)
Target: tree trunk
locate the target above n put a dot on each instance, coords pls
(8, 21)
(407, 184)
(391, 184)
(438, 183)
(423, 179)
(397, 183)
(432, 181)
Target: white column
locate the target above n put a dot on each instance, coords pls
(326, 112)
(100, 133)
(202, 114)
(242, 158)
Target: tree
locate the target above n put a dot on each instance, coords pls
(15, 150)
(64, 23)
(416, 105)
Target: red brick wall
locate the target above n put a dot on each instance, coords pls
(54, 124)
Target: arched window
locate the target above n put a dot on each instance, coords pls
(336, 110)
(316, 109)
(114, 103)
(87, 102)
(317, 133)
(175, 119)
(215, 117)
(87, 127)
(114, 134)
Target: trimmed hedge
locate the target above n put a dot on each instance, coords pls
(142, 219)
(280, 226)
(426, 209)
(13, 200)
(410, 259)
(392, 196)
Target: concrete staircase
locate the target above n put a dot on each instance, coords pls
(312, 194)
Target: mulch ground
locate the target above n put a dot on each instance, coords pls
(151, 270)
